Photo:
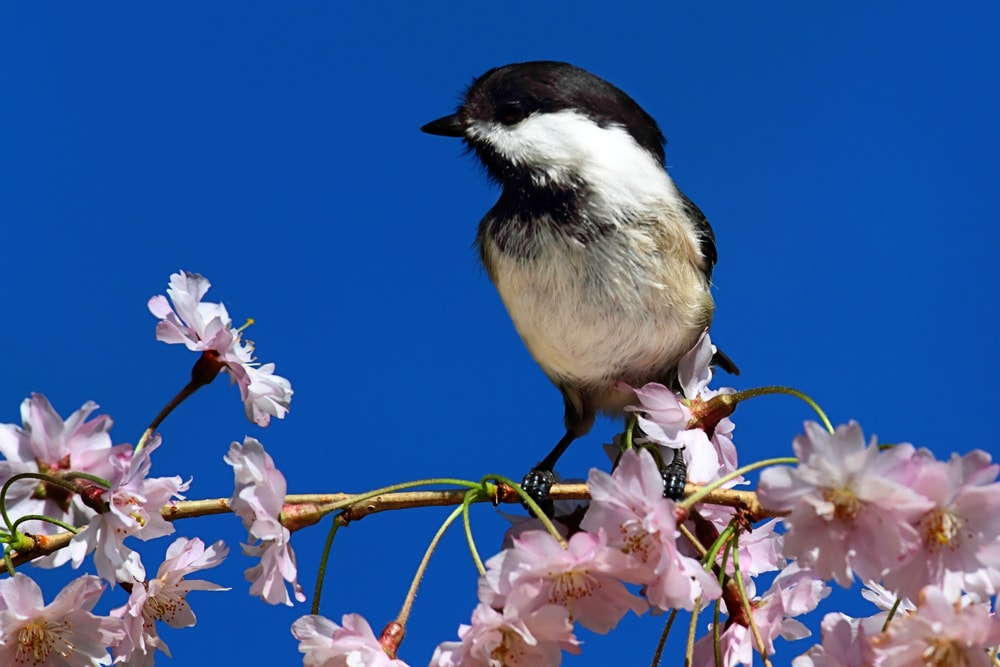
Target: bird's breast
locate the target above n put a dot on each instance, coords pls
(622, 306)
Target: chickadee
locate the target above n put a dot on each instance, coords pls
(603, 264)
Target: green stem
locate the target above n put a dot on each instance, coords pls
(411, 595)
(774, 389)
(658, 654)
(629, 428)
(79, 474)
(28, 475)
(532, 505)
(49, 519)
(738, 578)
(892, 612)
(739, 472)
(469, 499)
(692, 631)
(338, 522)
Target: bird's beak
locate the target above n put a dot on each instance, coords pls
(449, 126)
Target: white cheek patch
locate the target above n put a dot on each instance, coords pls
(565, 147)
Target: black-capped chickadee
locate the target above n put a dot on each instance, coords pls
(603, 264)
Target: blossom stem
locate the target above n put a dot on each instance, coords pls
(48, 519)
(338, 522)
(630, 423)
(469, 499)
(55, 481)
(411, 595)
(738, 577)
(533, 506)
(77, 474)
(716, 640)
(739, 472)
(891, 614)
(777, 389)
(658, 653)
(717, 546)
(183, 394)
(692, 630)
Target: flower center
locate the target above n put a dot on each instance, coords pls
(846, 505)
(510, 650)
(943, 652)
(39, 638)
(638, 542)
(570, 586)
(940, 527)
(162, 607)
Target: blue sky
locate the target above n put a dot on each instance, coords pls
(845, 153)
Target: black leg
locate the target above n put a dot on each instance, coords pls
(539, 480)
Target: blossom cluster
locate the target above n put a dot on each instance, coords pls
(923, 534)
(66, 632)
(60, 475)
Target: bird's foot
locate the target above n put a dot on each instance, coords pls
(675, 476)
(538, 484)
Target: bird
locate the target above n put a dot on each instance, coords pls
(603, 264)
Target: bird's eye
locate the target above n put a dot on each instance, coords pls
(511, 112)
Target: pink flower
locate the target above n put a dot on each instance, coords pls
(694, 371)
(512, 638)
(207, 328)
(585, 578)
(629, 507)
(165, 599)
(794, 592)
(61, 633)
(662, 417)
(133, 509)
(48, 445)
(940, 632)
(326, 644)
(258, 500)
(667, 418)
(845, 644)
(268, 395)
(963, 524)
(850, 507)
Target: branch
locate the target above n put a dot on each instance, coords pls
(305, 509)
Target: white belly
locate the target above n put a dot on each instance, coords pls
(606, 312)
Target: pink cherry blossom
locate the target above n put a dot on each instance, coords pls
(61, 633)
(794, 592)
(512, 638)
(694, 371)
(850, 507)
(268, 395)
(629, 507)
(206, 327)
(258, 500)
(133, 509)
(942, 632)
(585, 578)
(46, 444)
(963, 523)
(666, 418)
(352, 644)
(845, 644)
(164, 598)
